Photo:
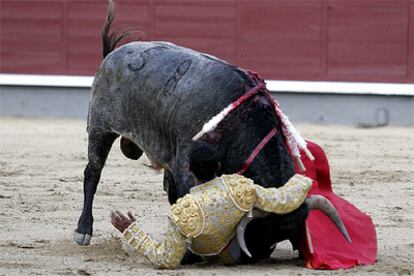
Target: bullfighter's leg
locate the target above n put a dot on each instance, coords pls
(99, 145)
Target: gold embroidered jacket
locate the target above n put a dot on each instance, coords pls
(205, 220)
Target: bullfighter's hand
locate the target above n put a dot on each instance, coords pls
(121, 222)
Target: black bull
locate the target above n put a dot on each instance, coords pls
(157, 96)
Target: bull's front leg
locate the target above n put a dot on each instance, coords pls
(99, 145)
(177, 184)
(177, 189)
(170, 186)
(179, 180)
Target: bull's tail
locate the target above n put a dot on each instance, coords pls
(111, 40)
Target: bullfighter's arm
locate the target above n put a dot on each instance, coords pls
(284, 199)
(164, 254)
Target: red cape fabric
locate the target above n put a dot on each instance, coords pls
(323, 246)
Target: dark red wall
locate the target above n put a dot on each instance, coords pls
(348, 40)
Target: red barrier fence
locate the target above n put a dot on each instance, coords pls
(359, 40)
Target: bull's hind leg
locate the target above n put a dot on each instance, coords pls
(99, 145)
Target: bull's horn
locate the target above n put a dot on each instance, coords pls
(240, 234)
(241, 228)
(319, 202)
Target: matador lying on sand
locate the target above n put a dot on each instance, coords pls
(205, 220)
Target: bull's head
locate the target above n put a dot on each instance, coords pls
(237, 135)
(240, 133)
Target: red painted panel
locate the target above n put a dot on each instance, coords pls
(281, 38)
(204, 25)
(360, 40)
(368, 38)
(83, 44)
(31, 37)
(411, 52)
(84, 24)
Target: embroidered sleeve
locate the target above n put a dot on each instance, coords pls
(164, 254)
(188, 216)
(286, 198)
(242, 191)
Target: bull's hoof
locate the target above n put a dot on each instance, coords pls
(82, 239)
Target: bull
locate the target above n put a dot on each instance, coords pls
(157, 96)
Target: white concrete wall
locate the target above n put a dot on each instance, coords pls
(358, 104)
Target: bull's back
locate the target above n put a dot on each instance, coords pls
(155, 92)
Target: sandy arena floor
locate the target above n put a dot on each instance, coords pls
(41, 167)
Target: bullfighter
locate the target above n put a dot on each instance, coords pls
(205, 220)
